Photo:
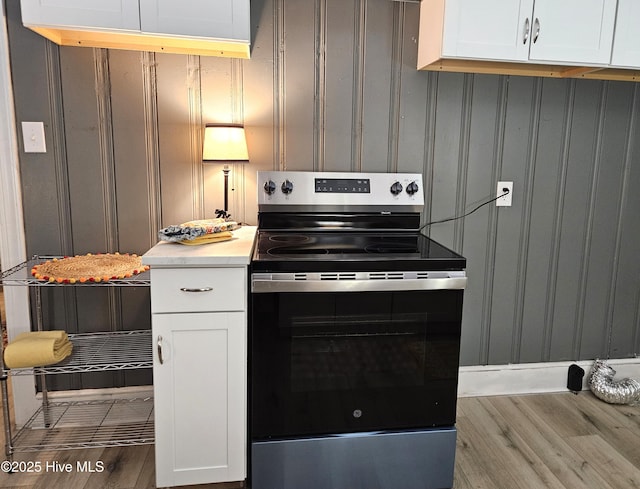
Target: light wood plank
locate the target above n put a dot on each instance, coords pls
(566, 464)
(608, 461)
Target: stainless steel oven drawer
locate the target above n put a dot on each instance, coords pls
(421, 459)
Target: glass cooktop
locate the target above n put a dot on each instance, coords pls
(319, 251)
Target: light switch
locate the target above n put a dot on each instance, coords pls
(33, 137)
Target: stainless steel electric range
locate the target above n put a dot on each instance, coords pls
(354, 336)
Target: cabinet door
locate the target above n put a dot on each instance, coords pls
(220, 19)
(493, 29)
(200, 397)
(626, 46)
(573, 31)
(114, 14)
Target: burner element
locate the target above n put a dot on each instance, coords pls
(292, 250)
(289, 238)
(391, 248)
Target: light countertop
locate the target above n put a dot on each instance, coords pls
(235, 252)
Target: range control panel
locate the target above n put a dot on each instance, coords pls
(339, 188)
(343, 185)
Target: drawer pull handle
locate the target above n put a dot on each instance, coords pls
(160, 359)
(201, 289)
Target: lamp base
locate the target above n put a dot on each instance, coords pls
(222, 214)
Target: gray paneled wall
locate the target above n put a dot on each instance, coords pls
(332, 86)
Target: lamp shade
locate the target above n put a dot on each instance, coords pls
(224, 143)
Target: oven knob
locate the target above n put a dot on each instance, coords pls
(287, 187)
(270, 187)
(412, 188)
(396, 188)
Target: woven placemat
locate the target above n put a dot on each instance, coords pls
(100, 267)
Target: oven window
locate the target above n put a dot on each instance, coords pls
(358, 352)
(327, 362)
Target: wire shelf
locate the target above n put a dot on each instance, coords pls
(21, 275)
(96, 352)
(88, 424)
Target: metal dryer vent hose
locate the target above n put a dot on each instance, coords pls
(601, 383)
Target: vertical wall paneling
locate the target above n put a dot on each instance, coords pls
(151, 143)
(134, 126)
(299, 72)
(446, 155)
(237, 184)
(58, 149)
(395, 85)
(516, 148)
(195, 135)
(539, 227)
(331, 85)
(484, 126)
(378, 69)
(626, 317)
(260, 101)
(492, 234)
(320, 85)
(556, 233)
(178, 171)
(338, 92)
(463, 161)
(526, 196)
(107, 160)
(621, 314)
(280, 142)
(411, 116)
(52, 56)
(431, 95)
(567, 312)
(357, 105)
(606, 205)
(592, 265)
(105, 139)
(90, 164)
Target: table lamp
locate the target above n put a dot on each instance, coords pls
(224, 143)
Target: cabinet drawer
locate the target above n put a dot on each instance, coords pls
(198, 289)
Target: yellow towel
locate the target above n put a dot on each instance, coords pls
(208, 238)
(37, 349)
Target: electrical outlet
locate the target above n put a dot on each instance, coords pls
(505, 200)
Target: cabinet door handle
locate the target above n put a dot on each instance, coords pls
(536, 26)
(526, 31)
(200, 289)
(160, 359)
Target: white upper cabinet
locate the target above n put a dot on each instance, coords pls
(494, 29)
(626, 45)
(228, 20)
(573, 31)
(114, 14)
(567, 32)
(205, 27)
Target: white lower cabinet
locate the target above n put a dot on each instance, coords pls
(199, 376)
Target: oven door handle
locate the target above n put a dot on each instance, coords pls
(262, 286)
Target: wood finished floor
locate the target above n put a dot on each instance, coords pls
(558, 441)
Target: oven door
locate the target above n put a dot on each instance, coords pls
(344, 356)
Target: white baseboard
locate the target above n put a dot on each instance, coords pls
(531, 378)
